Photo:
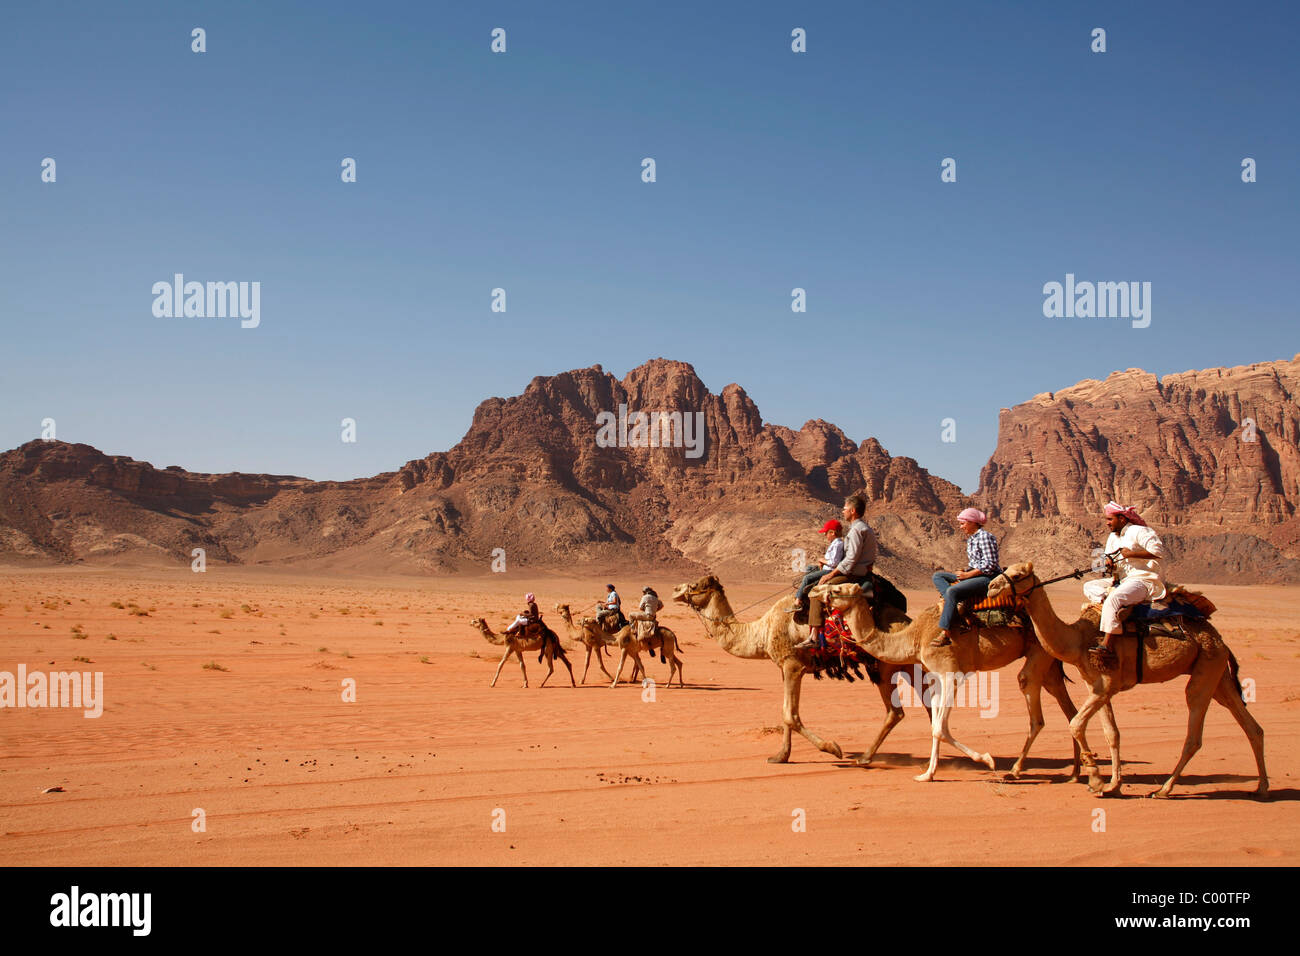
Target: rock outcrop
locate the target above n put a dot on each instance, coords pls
(533, 476)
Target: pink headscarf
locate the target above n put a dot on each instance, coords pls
(973, 514)
(1128, 513)
(529, 598)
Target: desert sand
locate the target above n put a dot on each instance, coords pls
(414, 771)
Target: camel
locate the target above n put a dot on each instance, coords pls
(773, 637)
(664, 641)
(1211, 667)
(592, 639)
(531, 639)
(995, 648)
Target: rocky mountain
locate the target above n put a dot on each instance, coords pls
(568, 476)
(1211, 458)
(535, 476)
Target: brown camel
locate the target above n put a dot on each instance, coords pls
(995, 648)
(773, 637)
(1203, 656)
(629, 642)
(591, 639)
(531, 638)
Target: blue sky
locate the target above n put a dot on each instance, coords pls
(775, 170)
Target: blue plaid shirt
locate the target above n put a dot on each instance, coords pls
(982, 553)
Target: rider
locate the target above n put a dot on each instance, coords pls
(815, 572)
(650, 606)
(612, 607)
(855, 566)
(1135, 552)
(972, 584)
(529, 616)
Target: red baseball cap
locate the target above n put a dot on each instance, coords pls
(831, 525)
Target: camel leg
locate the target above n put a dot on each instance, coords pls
(565, 662)
(1200, 689)
(1227, 695)
(600, 659)
(1054, 682)
(619, 673)
(509, 650)
(523, 670)
(894, 715)
(586, 665)
(938, 717)
(550, 667)
(675, 665)
(1078, 730)
(1111, 729)
(792, 673)
(986, 759)
(1031, 687)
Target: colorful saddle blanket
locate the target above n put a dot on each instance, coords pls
(841, 658)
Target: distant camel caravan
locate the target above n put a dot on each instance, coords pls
(773, 637)
(530, 639)
(902, 645)
(593, 636)
(1203, 656)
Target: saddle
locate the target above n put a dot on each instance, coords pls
(1161, 618)
(1000, 611)
(612, 624)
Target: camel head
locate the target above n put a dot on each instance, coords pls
(479, 623)
(1020, 577)
(697, 595)
(564, 611)
(838, 595)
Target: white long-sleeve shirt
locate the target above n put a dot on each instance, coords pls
(1146, 570)
(834, 554)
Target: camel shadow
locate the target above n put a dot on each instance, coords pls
(1151, 782)
(663, 686)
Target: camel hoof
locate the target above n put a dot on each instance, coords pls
(988, 761)
(863, 761)
(779, 758)
(1161, 794)
(834, 748)
(923, 777)
(1015, 771)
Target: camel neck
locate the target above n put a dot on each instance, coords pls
(892, 647)
(733, 636)
(1058, 638)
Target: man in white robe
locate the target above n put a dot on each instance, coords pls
(1136, 552)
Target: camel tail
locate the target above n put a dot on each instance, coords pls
(555, 640)
(1233, 668)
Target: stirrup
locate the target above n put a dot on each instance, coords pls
(1103, 657)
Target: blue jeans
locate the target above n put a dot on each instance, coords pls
(813, 575)
(972, 590)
